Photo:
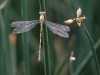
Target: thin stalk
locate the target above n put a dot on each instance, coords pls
(93, 50)
(7, 23)
(25, 38)
(86, 59)
(2, 58)
(45, 42)
(71, 67)
(46, 51)
(64, 60)
(42, 5)
(6, 15)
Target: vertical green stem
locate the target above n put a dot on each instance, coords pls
(46, 52)
(45, 42)
(5, 45)
(42, 5)
(25, 38)
(71, 67)
(2, 58)
(64, 60)
(86, 59)
(93, 50)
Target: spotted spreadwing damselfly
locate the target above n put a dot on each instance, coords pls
(24, 26)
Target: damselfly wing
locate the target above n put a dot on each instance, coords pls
(24, 26)
(58, 29)
(57, 26)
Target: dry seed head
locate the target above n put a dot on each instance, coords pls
(42, 13)
(79, 24)
(82, 18)
(71, 57)
(69, 21)
(79, 12)
(78, 20)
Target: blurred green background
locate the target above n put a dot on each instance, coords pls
(13, 57)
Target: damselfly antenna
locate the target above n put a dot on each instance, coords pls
(24, 26)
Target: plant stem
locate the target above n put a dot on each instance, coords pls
(46, 52)
(2, 59)
(64, 60)
(42, 5)
(71, 67)
(25, 39)
(86, 59)
(45, 42)
(93, 50)
(5, 45)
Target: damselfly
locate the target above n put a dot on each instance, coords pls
(24, 26)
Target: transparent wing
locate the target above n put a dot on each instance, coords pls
(58, 32)
(24, 23)
(22, 29)
(57, 26)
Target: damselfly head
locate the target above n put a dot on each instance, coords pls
(42, 13)
(42, 16)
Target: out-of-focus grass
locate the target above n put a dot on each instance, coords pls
(25, 45)
(56, 11)
(6, 64)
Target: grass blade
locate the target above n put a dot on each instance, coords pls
(2, 57)
(64, 60)
(45, 43)
(46, 51)
(25, 38)
(5, 45)
(93, 50)
(86, 59)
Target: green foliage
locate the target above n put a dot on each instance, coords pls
(19, 53)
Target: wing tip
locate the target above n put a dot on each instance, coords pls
(12, 24)
(15, 32)
(68, 29)
(66, 36)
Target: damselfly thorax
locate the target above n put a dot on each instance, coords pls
(24, 26)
